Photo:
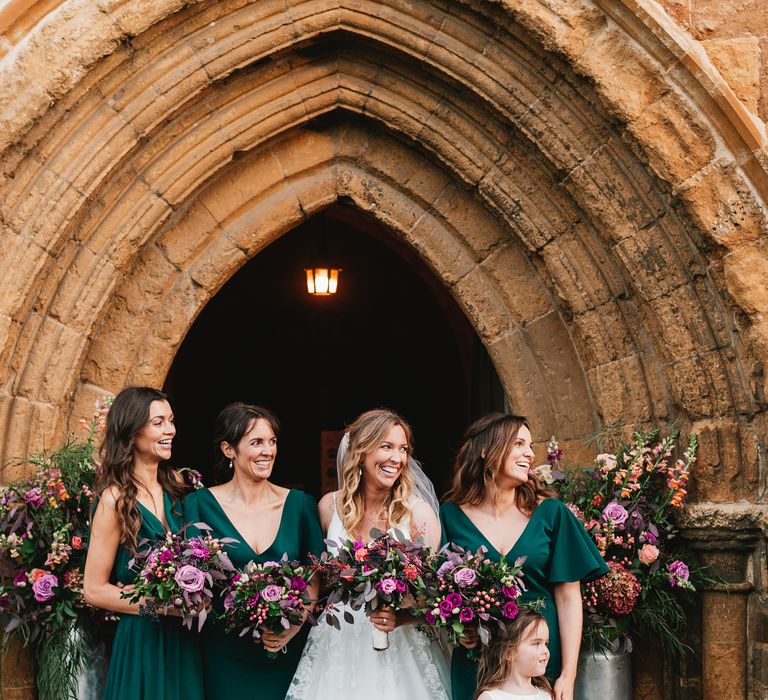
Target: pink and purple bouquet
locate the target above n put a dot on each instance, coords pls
(268, 597)
(179, 574)
(467, 589)
(388, 571)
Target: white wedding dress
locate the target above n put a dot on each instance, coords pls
(342, 664)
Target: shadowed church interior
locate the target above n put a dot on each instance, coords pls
(391, 336)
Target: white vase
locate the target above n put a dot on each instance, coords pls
(603, 676)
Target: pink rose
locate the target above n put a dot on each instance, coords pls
(465, 577)
(198, 549)
(649, 554)
(77, 542)
(229, 601)
(271, 593)
(190, 579)
(43, 587)
(387, 585)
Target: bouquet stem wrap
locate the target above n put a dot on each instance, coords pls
(380, 639)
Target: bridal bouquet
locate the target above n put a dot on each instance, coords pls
(270, 596)
(466, 589)
(386, 572)
(179, 574)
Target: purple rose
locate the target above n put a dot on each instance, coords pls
(271, 593)
(510, 610)
(21, 578)
(358, 544)
(229, 601)
(509, 592)
(43, 587)
(253, 600)
(678, 572)
(198, 549)
(466, 615)
(648, 537)
(189, 578)
(35, 497)
(465, 576)
(387, 586)
(445, 568)
(454, 599)
(429, 616)
(445, 608)
(615, 513)
(298, 584)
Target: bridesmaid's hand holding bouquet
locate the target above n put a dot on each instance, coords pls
(177, 575)
(268, 597)
(468, 592)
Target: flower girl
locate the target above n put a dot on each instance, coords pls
(513, 665)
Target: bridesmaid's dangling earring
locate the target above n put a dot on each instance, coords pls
(230, 464)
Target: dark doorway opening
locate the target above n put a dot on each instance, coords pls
(392, 336)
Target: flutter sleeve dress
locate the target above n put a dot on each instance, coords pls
(152, 660)
(235, 667)
(558, 550)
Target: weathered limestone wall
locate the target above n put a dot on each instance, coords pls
(578, 174)
(735, 36)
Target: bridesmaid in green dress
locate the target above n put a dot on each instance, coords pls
(497, 502)
(268, 521)
(139, 498)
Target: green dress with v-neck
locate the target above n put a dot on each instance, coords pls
(558, 550)
(152, 660)
(235, 667)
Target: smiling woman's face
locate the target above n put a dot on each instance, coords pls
(383, 464)
(255, 454)
(520, 457)
(154, 441)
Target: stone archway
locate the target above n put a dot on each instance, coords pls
(579, 178)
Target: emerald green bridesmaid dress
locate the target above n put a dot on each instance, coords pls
(235, 667)
(558, 550)
(152, 660)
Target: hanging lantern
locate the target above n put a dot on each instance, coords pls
(322, 281)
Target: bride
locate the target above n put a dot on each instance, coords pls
(380, 486)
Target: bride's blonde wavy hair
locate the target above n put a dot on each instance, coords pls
(366, 434)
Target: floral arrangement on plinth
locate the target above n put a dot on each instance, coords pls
(44, 526)
(388, 571)
(267, 597)
(468, 589)
(627, 503)
(178, 575)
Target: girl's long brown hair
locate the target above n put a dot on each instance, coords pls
(365, 434)
(487, 443)
(497, 658)
(128, 414)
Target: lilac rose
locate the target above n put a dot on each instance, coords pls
(678, 572)
(189, 578)
(465, 577)
(229, 601)
(615, 513)
(444, 569)
(43, 587)
(271, 593)
(35, 497)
